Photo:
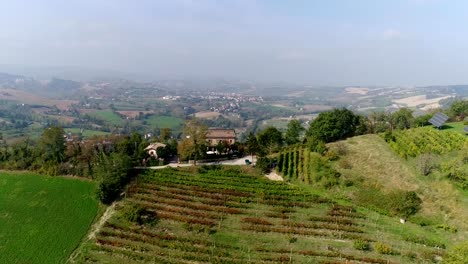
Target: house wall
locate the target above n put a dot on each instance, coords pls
(214, 141)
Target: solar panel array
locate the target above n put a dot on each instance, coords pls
(438, 119)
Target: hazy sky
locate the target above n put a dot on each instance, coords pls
(347, 42)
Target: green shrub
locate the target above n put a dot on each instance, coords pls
(447, 228)
(331, 155)
(348, 182)
(458, 254)
(404, 203)
(329, 177)
(263, 163)
(361, 245)
(420, 220)
(418, 239)
(384, 249)
(137, 214)
(426, 164)
(316, 145)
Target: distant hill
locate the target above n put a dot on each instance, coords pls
(53, 88)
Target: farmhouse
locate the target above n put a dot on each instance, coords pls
(214, 136)
(151, 149)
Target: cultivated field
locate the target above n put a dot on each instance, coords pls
(108, 116)
(87, 132)
(132, 113)
(221, 215)
(207, 114)
(43, 219)
(420, 100)
(171, 122)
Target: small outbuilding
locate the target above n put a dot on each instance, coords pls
(151, 149)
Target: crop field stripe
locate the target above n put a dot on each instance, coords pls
(47, 217)
(244, 188)
(186, 246)
(190, 205)
(169, 251)
(187, 196)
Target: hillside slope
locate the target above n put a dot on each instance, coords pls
(225, 215)
(375, 163)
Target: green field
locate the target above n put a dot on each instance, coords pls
(171, 122)
(43, 219)
(87, 132)
(226, 215)
(456, 127)
(108, 116)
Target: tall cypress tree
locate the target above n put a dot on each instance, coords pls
(306, 165)
(280, 162)
(286, 164)
(291, 163)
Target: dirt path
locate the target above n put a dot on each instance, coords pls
(97, 226)
(94, 229)
(274, 176)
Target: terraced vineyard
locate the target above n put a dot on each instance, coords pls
(226, 216)
(414, 142)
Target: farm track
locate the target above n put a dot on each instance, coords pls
(107, 214)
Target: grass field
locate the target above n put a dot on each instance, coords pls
(108, 116)
(43, 219)
(455, 126)
(87, 132)
(171, 122)
(224, 215)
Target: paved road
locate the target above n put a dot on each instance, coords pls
(239, 161)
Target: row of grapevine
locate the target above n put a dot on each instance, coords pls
(195, 212)
(414, 142)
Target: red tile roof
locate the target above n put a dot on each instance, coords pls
(220, 133)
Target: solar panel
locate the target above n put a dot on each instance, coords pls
(438, 119)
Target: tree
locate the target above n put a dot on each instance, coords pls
(270, 139)
(334, 125)
(422, 120)
(166, 134)
(293, 132)
(402, 119)
(112, 173)
(378, 122)
(458, 110)
(316, 145)
(251, 144)
(52, 144)
(404, 203)
(194, 140)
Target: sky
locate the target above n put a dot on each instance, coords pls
(327, 42)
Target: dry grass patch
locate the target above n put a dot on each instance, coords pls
(377, 164)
